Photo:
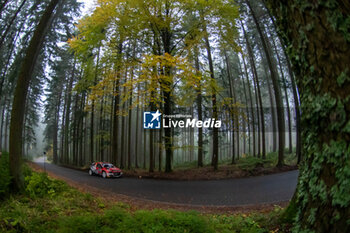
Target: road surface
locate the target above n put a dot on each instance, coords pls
(231, 192)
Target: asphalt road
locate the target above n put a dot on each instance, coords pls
(233, 192)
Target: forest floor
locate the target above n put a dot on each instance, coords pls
(51, 205)
(244, 167)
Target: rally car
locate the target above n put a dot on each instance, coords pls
(105, 170)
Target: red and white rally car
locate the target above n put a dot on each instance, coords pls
(105, 170)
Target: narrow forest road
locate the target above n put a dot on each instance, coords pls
(234, 192)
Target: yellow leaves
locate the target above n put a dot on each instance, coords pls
(231, 109)
(93, 28)
(148, 27)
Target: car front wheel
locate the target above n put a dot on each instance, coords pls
(104, 175)
(90, 172)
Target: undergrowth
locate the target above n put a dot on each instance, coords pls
(49, 205)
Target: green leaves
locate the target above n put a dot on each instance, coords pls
(40, 185)
(342, 78)
(5, 178)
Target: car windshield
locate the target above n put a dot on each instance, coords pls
(108, 166)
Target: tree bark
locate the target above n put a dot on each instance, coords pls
(55, 130)
(320, 58)
(144, 148)
(200, 115)
(2, 122)
(20, 95)
(130, 121)
(92, 117)
(67, 117)
(101, 131)
(62, 128)
(215, 155)
(137, 127)
(7, 122)
(160, 149)
(115, 124)
(122, 141)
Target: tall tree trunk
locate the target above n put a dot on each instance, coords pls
(82, 131)
(168, 137)
(62, 128)
(245, 122)
(151, 151)
(7, 122)
(144, 148)
(20, 95)
(256, 94)
(200, 117)
(92, 123)
(160, 149)
(191, 139)
(320, 58)
(137, 127)
(2, 122)
(55, 130)
(261, 109)
(115, 125)
(115, 110)
(258, 108)
(286, 97)
(297, 109)
(67, 124)
(166, 39)
(129, 131)
(273, 112)
(130, 122)
(215, 155)
(276, 87)
(92, 117)
(233, 100)
(101, 131)
(122, 141)
(295, 98)
(251, 104)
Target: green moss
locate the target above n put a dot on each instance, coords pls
(289, 214)
(317, 38)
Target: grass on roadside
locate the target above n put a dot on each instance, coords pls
(49, 205)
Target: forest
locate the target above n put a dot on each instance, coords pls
(274, 73)
(97, 87)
